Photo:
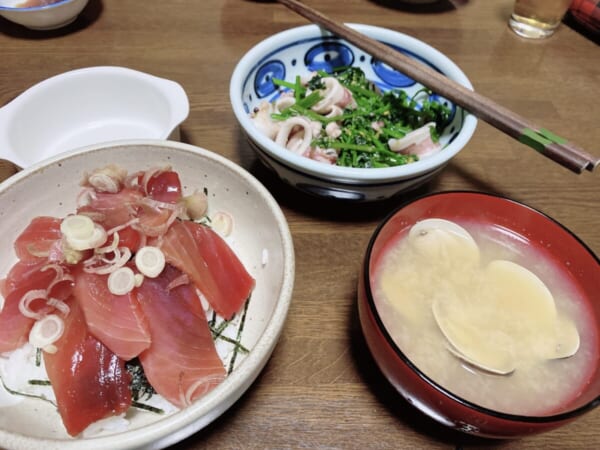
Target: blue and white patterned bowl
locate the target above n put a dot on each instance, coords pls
(302, 50)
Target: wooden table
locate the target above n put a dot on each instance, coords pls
(321, 388)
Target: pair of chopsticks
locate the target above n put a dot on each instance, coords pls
(544, 141)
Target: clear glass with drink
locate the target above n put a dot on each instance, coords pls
(536, 19)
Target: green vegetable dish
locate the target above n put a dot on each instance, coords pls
(344, 119)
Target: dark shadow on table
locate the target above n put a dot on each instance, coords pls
(434, 7)
(328, 208)
(88, 15)
(469, 181)
(347, 211)
(585, 30)
(184, 136)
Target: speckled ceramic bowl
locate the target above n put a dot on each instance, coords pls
(302, 50)
(521, 229)
(260, 237)
(41, 16)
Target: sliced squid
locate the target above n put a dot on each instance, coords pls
(333, 130)
(417, 142)
(336, 111)
(283, 102)
(263, 121)
(324, 155)
(298, 130)
(334, 95)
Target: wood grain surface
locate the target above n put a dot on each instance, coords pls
(321, 389)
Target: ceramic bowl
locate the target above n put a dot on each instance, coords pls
(41, 15)
(300, 51)
(520, 229)
(260, 237)
(88, 106)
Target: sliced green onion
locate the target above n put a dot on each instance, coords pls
(121, 281)
(150, 261)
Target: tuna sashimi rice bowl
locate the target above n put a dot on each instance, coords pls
(144, 285)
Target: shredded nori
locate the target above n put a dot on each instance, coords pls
(147, 407)
(39, 382)
(239, 348)
(139, 386)
(24, 394)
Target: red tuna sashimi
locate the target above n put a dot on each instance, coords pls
(89, 381)
(22, 278)
(111, 210)
(206, 258)
(116, 320)
(182, 363)
(28, 275)
(164, 186)
(38, 238)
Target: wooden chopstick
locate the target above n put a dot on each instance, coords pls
(505, 120)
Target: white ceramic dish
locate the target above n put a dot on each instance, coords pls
(259, 228)
(45, 17)
(88, 106)
(300, 51)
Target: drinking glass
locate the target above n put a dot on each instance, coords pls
(537, 19)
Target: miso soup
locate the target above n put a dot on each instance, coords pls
(453, 309)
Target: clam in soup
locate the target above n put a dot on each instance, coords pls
(486, 316)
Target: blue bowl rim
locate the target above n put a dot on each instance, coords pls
(35, 8)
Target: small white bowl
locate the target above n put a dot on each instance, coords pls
(88, 106)
(260, 237)
(300, 51)
(48, 17)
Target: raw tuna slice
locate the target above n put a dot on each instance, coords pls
(90, 382)
(181, 363)
(38, 238)
(164, 186)
(111, 210)
(212, 265)
(28, 275)
(22, 278)
(116, 320)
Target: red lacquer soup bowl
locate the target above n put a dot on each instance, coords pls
(523, 228)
